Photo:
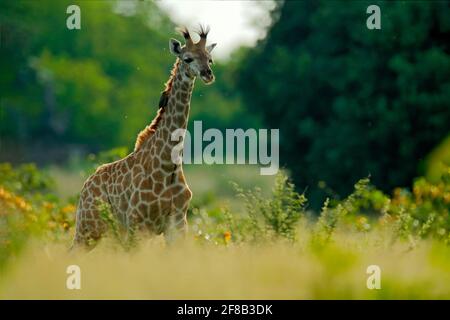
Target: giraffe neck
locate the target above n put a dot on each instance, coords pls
(173, 115)
(176, 112)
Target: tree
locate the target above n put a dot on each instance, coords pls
(350, 101)
(97, 86)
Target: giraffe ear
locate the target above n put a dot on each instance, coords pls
(175, 46)
(211, 47)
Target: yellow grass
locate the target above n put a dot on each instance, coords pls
(194, 271)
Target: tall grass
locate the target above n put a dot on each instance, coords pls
(190, 271)
(271, 246)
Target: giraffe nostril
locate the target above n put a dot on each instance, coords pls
(206, 72)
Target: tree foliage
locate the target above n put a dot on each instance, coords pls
(349, 101)
(97, 86)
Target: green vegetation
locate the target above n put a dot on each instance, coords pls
(357, 102)
(367, 227)
(97, 87)
(364, 102)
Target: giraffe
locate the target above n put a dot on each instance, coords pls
(147, 190)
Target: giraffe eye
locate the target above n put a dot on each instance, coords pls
(210, 61)
(188, 60)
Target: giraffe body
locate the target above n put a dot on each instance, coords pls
(147, 190)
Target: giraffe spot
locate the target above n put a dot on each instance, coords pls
(89, 225)
(179, 189)
(143, 209)
(89, 214)
(156, 162)
(165, 134)
(95, 191)
(113, 175)
(166, 170)
(127, 179)
(173, 127)
(153, 210)
(137, 180)
(170, 105)
(104, 177)
(168, 180)
(179, 201)
(136, 170)
(164, 205)
(158, 187)
(182, 198)
(159, 144)
(147, 196)
(147, 164)
(110, 188)
(134, 199)
(167, 193)
(146, 184)
(180, 119)
(180, 107)
(158, 176)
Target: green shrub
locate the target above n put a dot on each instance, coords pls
(25, 179)
(424, 212)
(265, 218)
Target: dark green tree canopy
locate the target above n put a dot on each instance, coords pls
(350, 101)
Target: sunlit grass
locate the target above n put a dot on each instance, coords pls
(193, 271)
(263, 244)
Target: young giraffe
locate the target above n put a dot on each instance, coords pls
(147, 189)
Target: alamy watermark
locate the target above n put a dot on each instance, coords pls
(73, 22)
(73, 281)
(374, 278)
(234, 146)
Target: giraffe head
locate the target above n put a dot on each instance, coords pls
(195, 57)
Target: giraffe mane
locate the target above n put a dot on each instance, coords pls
(148, 131)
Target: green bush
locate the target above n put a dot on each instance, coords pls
(406, 216)
(29, 209)
(265, 218)
(426, 211)
(25, 179)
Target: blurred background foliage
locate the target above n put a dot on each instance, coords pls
(349, 102)
(91, 90)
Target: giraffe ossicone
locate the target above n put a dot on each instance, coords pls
(146, 189)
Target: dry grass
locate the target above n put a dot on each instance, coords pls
(193, 271)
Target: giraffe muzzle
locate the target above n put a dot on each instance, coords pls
(207, 76)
